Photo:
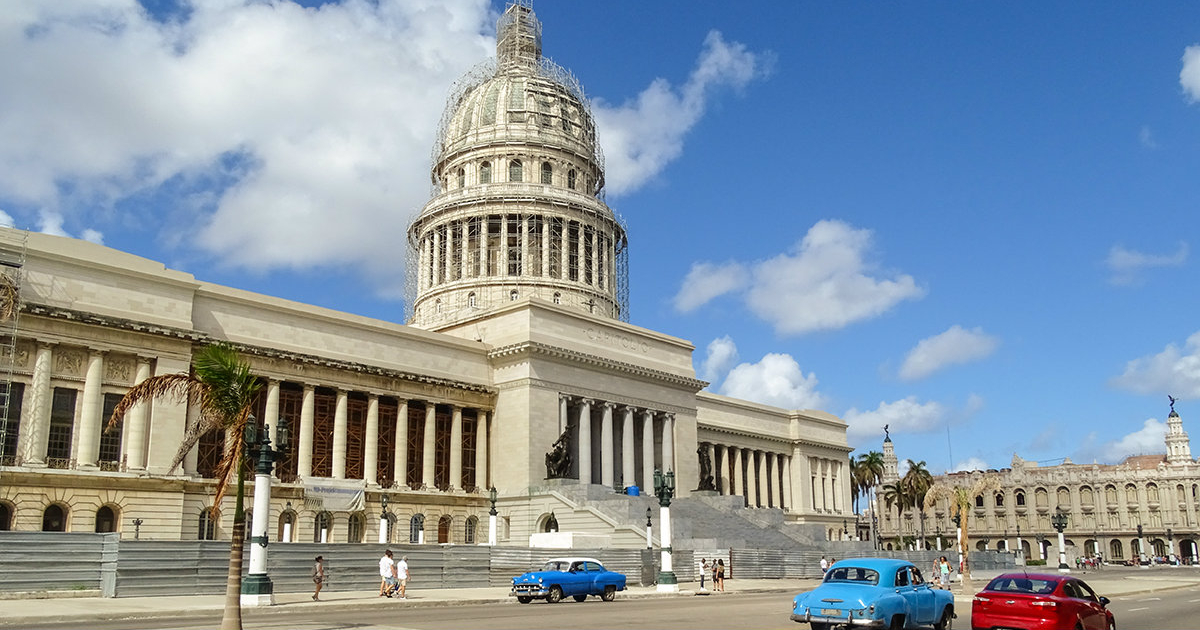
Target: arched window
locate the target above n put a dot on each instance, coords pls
(355, 528)
(547, 173)
(54, 519)
(1020, 499)
(513, 295)
(444, 524)
(550, 523)
(391, 527)
(6, 516)
(558, 298)
(1115, 550)
(1064, 497)
(416, 529)
(208, 525)
(322, 526)
(515, 171)
(471, 300)
(287, 527)
(472, 525)
(1131, 494)
(462, 177)
(1086, 497)
(999, 499)
(571, 179)
(1042, 497)
(106, 520)
(1110, 494)
(979, 500)
(485, 173)
(437, 306)
(1152, 493)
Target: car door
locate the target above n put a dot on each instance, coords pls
(905, 590)
(1090, 610)
(923, 596)
(595, 575)
(576, 580)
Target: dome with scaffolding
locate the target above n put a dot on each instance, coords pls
(518, 205)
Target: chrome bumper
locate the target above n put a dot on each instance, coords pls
(837, 621)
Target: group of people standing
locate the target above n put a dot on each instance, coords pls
(941, 573)
(717, 568)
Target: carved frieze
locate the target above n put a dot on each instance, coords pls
(68, 362)
(118, 370)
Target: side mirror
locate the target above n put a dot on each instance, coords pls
(1104, 601)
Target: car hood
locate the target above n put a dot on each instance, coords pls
(532, 576)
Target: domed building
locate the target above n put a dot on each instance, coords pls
(518, 371)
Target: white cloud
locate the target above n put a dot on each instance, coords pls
(969, 464)
(955, 346)
(1146, 137)
(641, 136)
(902, 416)
(775, 380)
(1189, 76)
(722, 353)
(823, 284)
(1173, 371)
(706, 281)
(1126, 263)
(1149, 439)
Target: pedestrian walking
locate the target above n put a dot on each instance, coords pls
(318, 576)
(387, 574)
(720, 583)
(944, 572)
(824, 565)
(403, 576)
(702, 567)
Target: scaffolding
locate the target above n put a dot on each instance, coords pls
(13, 245)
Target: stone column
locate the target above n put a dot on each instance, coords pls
(271, 411)
(436, 262)
(628, 474)
(736, 478)
(456, 444)
(721, 469)
(788, 499)
(585, 441)
(595, 259)
(712, 462)
(525, 266)
(751, 480)
(92, 409)
(449, 245)
(428, 451)
(563, 420)
(564, 253)
(400, 462)
(481, 449)
(545, 247)
(773, 477)
(135, 441)
(340, 436)
(648, 451)
(305, 446)
(464, 248)
(484, 233)
(371, 442)
(606, 445)
(35, 421)
(668, 442)
(502, 267)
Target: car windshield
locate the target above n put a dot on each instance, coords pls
(852, 574)
(1022, 584)
(557, 565)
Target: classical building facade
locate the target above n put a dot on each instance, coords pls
(1147, 504)
(518, 345)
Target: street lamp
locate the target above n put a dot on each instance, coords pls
(649, 511)
(845, 530)
(1041, 543)
(1171, 546)
(1059, 521)
(938, 534)
(959, 541)
(257, 589)
(1143, 557)
(287, 522)
(383, 519)
(922, 545)
(664, 488)
(137, 528)
(492, 517)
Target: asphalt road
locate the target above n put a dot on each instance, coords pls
(1175, 609)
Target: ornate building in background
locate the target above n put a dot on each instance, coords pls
(519, 340)
(1147, 504)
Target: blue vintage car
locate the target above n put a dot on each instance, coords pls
(874, 593)
(568, 577)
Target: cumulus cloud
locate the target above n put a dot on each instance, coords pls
(1174, 371)
(1189, 76)
(902, 416)
(1146, 138)
(1125, 264)
(969, 464)
(775, 380)
(824, 283)
(706, 281)
(955, 346)
(641, 136)
(1147, 440)
(722, 353)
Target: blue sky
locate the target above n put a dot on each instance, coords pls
(974, 222)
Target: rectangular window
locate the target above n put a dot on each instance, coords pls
(110, 440)
(388, 408)
(416, 445)
(356, 430)
(322, 451)
(10, 424)
(62, 421)
(441, 454)
(469, 427)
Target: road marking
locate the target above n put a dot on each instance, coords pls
(1137, 609)
(1193, 601)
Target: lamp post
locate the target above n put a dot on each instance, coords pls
(1059, 521)
(137, 528)
(922, 546)
(1171, 546)
(874, 530)
(987, 541)
(938, 534)
(845, 530)
(492, 517)
(1005, 540)
(664, 488)
(958, 540)
(1041, 543)
(1020, 545)
(383, 519)
(257, 589)
(1143, 557)
(649, 511)
(287, 523)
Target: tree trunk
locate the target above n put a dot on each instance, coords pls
(232, 618)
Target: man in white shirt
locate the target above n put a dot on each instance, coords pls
(402, 575)
(824, 565)
(387, 574)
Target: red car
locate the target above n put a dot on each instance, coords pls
(1039, 601)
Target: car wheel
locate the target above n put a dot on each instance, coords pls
(947, 621)
(523, 599)
(897, 623)
(610, 593)
(820, 626)
(554, 596)
(581, 598)
(1112, 625)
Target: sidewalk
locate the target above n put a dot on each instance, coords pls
(24, 612)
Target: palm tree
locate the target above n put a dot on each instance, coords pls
(961, 494)
(867, 471)
(918, 480)
(221, 387)
(897, 494)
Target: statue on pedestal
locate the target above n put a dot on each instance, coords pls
(558, 460)
(706, 476)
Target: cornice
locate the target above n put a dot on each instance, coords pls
(741, 433)
(107, 321)
(532, 348)
(574, 391)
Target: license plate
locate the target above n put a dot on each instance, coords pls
(831, 612)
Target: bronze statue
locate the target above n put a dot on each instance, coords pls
(558, 460)
(886, 435)
(1172, 399)
(706, 476)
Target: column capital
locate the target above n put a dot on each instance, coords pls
(608, 404)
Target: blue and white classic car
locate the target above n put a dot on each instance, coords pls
(874, 593)
(568, 577)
